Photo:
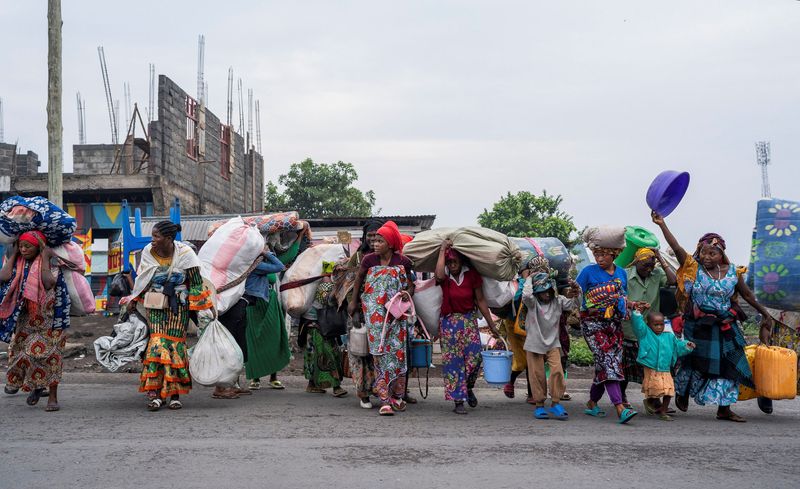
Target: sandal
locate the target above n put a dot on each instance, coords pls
(315, 390)
(648, 408)
(626, 415)
(254, 385)
(174, 404)
(566, 397)
(243, 392)
(732, 417)
(665, 417)
(52, 407)
(508, 390)
(558, 412)
(459, 408)
(276, 384)
(409, 399)
(226, 395)
(682, 403)
(540, 413)
(33, 397)
(595, 412)
(471, 399)
(397, 404)
(339, 392)
(10, 390)
(765, 405)
(386, 410)
(154, 404)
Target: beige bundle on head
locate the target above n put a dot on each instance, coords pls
(611, 237)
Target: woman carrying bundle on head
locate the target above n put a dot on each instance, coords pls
(707, 286)
(168, 287)
(385, 274)
(605, 287)
(34, 308)
(462, 298)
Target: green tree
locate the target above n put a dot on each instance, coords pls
(318, 190)
(527, 215)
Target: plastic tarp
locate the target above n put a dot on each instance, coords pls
(492, 253)
(127, 344)
(776, 254)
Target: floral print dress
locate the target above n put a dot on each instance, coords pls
(388, 349)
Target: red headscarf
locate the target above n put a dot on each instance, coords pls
(391, 233)
(35, 237)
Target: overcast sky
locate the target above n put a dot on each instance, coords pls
(443, 106)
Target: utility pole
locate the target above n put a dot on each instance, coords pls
(54, 127)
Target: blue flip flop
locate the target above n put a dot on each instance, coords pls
(540, 413)
(595, 411)
(626, 415)
(558, 412)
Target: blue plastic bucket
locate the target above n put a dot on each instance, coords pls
(667, 190)
(497, 366)
(421, 353)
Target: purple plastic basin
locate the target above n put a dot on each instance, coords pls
(667, 190)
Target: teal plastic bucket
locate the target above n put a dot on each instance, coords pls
(497, 367)
(421, 353)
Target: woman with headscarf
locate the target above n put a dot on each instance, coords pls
(462, 298)
(385, 274)
(362, 369)
(168, 287)
(708, 284)
(605, 287)
(34, 308)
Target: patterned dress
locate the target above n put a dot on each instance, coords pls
(381, 284)
(35, 354)
(709, 385)
(165, 369)
(461, 354)
(322, 361)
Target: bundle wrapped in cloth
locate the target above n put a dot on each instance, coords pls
(73, 266)
(611, 237)
(21, 214)
(492, 253)
(307, 268)
(227, 257)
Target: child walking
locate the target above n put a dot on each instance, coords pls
(658, 353)
(542, 341)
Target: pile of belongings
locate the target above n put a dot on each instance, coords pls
(284, 232)
(126, 344)
(22, 214)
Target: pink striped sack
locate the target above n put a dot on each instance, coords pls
(72, 263)
(227, 255)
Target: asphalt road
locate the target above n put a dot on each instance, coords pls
(103, 437)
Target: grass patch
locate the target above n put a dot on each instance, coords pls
(579, 353)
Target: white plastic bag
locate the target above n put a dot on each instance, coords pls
(216, 358)
(498, 293)
(428, 303)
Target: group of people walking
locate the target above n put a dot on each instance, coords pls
(620, 318)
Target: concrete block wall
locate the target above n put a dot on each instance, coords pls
(92, 159)
(199, 182)
(17, 165)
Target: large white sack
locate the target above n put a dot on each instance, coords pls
(605, 237)
(428, 304)
(216, 358)
(298, 300)
(227, 255)
(499, 293)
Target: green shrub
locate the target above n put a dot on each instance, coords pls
(579, 353)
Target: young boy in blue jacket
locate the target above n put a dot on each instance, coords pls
(658, 352)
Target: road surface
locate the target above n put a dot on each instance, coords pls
(103, 437)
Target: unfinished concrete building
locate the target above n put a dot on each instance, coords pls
(188, 153)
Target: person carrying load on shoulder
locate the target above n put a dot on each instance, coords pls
(542, 343)
(462, 298)
(267, 340)
(707, 285)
